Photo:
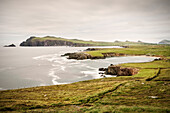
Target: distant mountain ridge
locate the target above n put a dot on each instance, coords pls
(164, 42)
(58, 41)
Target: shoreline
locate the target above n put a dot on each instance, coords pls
(146, 91)
(54, 78)
(101, 53)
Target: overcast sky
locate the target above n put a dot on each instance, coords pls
(102, 20)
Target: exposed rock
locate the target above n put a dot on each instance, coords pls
(91, 49)
(81, 56)
(102, 75)
(97, 57)
(112, 54)
(11, 45)
(125, 46)
(120, 71)
(67, 54)
(101, 72)
(102, 69)
(158, 59)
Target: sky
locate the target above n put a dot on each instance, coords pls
(98, 20)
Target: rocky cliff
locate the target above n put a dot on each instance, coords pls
(119, 71)
(52, 41)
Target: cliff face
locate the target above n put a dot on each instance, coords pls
(119, 71)
(32, 41)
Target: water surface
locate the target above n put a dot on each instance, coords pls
(39, 66)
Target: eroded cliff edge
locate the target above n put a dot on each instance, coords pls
(119, 71)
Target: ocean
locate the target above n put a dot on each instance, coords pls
(23, 67)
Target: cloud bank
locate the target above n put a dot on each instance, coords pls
(104, 20)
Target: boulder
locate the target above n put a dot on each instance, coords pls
(102, 69)
(11, 45)
(120, 71)
(91, 49)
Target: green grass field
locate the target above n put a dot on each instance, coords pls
(146, 92)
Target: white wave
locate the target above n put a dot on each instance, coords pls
(54, 80)
(52, 58)
(82, 76)
(54, 65)
(110, 75)
(52, 73)
(43, 84)
(63, 68)
(93, 73)
(89, 67)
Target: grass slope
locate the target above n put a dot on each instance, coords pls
(159, 50)
(94, 43)
(147, 91)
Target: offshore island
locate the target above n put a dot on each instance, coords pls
(139, 87)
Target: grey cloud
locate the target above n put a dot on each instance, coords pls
(107, 20)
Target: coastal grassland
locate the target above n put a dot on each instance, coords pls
(147, 91)
(94, 43)
(150, 50)
(114, 94)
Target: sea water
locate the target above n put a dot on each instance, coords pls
(22, 67)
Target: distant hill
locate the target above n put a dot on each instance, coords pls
(58, 41)
(164, 42)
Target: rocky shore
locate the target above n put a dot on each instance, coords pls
(119, 71)
(84, 55)
(81, 56)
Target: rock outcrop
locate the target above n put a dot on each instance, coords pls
(112, 54)
(11, 45)
(92, 49)
(119, 71)
(81, 56)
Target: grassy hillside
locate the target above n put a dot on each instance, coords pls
(164, 42)
(40, 41)
(147, 91)
(158, 50)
